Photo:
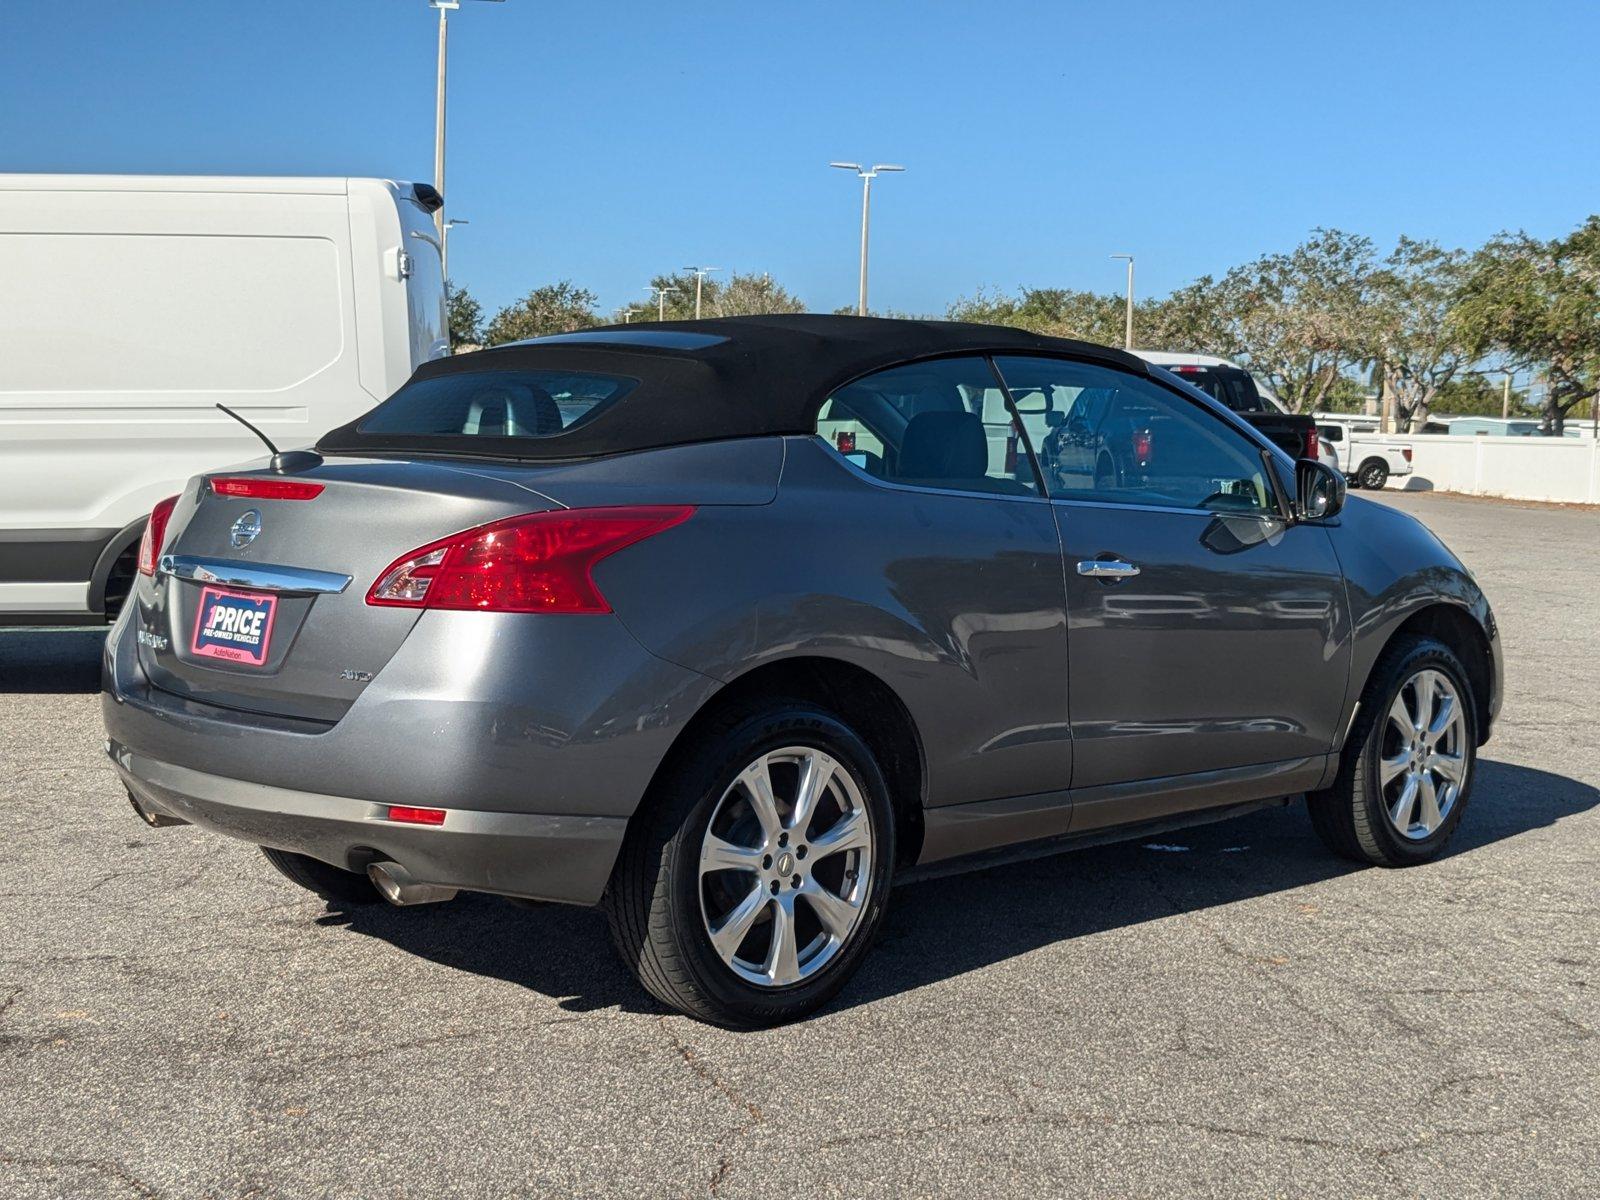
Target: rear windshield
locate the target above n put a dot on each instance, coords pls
(499, 404)
(1230, 385)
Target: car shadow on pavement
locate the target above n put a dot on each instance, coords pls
(937, 929)
(50, 660)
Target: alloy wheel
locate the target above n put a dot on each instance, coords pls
(785, 866)
(1423, 756)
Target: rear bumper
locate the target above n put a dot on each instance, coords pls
(538, 736)
(561, 858)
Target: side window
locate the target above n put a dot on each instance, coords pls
(1111, 436)
(942, 424)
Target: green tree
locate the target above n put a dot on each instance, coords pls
(1474, 395)
(466, 318)
(678, 304)
(755, 295)
(554, 308)
(1347, 395)
(1409, 326)
(1057, 312)
(1297, 318)
(1192, 318)
(1538, 303)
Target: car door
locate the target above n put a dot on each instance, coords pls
(1205, 631)
(964, 550)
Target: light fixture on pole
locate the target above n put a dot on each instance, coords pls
(628, 315)
(444, 243)
(1127, 335)
(868, 174)
(661, 299)
(700, 274)
(444, 7)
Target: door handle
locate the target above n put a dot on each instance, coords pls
(1107, 568)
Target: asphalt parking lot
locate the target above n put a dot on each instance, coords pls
(1227, 1011)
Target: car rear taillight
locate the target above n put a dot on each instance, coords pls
(1405, 453)
(1313, 443)
(537, 563)
(246, 488)
(845, 441)
(155, 533)
(1143, 443)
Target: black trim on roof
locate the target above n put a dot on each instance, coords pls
(761, 376)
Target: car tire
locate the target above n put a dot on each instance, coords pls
(336, 886)
(1373, 475)
(1361, 816)
(664, 900)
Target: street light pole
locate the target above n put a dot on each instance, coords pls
(868, 174)
(444, 7)
(700, 274)
(661, 299)
(1127, 334)
(444, 243)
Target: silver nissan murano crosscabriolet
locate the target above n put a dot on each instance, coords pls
(721, 625)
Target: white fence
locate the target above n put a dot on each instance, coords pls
(1565, 470)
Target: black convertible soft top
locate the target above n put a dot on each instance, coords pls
(701, 380)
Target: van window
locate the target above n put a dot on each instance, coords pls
(166, 313)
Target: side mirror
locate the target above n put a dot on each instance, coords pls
(1319, 490)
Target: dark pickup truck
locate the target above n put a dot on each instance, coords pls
(1295, 433)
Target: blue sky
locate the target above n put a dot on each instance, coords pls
(606, 142)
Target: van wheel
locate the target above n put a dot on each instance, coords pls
(1374, 474)
(334, 885)
(1406, 771)
(751, 886)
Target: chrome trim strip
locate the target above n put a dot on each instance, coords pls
(263, 577)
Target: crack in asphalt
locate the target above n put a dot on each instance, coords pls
(1254, 963)
(1030, 1115)
(105, 1166)
(703, 1071)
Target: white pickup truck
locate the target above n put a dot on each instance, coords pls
(1368, 457)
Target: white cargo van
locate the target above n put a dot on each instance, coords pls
(131, 305)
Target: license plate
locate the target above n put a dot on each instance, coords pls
(234, 626)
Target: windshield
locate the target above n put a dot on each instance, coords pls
(499, 404)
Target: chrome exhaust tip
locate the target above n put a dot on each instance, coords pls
(395, 884)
